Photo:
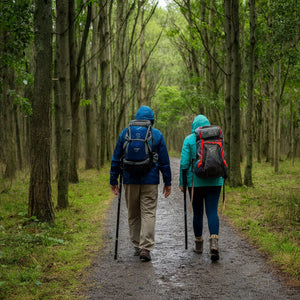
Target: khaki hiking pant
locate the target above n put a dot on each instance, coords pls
(141, 201)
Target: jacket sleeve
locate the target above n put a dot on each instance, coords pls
(185, 159)
(115, 168)
(164, 161)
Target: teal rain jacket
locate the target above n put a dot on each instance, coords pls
(188, 153)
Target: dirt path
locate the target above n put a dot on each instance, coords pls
(176, 273)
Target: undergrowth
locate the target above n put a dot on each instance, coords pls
(39, 261)
(269, 213)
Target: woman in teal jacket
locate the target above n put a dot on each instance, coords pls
(205, 191)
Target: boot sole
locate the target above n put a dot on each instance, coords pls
(214, 255)
(144, 258)
(198, 251)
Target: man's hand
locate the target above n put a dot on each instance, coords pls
(167, 191)
(114, 189)
(181, 188)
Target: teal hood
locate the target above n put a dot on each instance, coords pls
(200, 120)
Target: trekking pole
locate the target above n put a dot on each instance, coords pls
(118, 216)
(184, 178)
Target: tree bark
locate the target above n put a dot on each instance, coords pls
(272, 114)
(75, 63)
(9, 133)
(40, 202)
(277, 120)
(18, 138)
(92, 94)
(142, 98)
(248, 171)
(235, 151)
(63, 101)
(104, 77)
(227, 28)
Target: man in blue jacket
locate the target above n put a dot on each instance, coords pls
(141, 192)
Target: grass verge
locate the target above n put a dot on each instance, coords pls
(269, 214)
(42, 262)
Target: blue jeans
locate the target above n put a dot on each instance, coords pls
(210, 196)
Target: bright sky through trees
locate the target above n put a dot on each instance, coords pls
(162, 3)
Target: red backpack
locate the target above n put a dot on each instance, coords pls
(210, 157)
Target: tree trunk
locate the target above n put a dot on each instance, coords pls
(75, 99)
(9, 133)
(272, 115)
(7, 146)
(104, 78)
(75, 66)
(227, 28)
(142, 98)
(277, 120)
(63, 101)
(40, 202)
(18, 138)
(119, 61)
(259, 110)
(91, 110)
(248, 170)
(235, 169)
(292, 134)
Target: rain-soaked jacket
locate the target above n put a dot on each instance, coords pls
(158, 146)
(189, 150)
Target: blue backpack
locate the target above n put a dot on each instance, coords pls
(210, 157)
(138, 158)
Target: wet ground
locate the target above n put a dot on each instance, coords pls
(177, 273)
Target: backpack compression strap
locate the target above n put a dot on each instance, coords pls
(140, 123)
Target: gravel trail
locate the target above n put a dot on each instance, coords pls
(177, 273)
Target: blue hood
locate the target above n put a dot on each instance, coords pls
(145, 113)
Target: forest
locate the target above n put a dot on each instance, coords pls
(73, 74)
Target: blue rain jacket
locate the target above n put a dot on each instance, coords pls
(158, 146)
(189, 150)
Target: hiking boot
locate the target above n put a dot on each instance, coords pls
(198, 245)
(214, 247)
(137, 251)
(145, 255)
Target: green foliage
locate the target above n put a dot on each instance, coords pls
(165, 63)
(16, 26)
(23, 103)
(85, 102)
(167, 106)
(268, 213)
(39, 260)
